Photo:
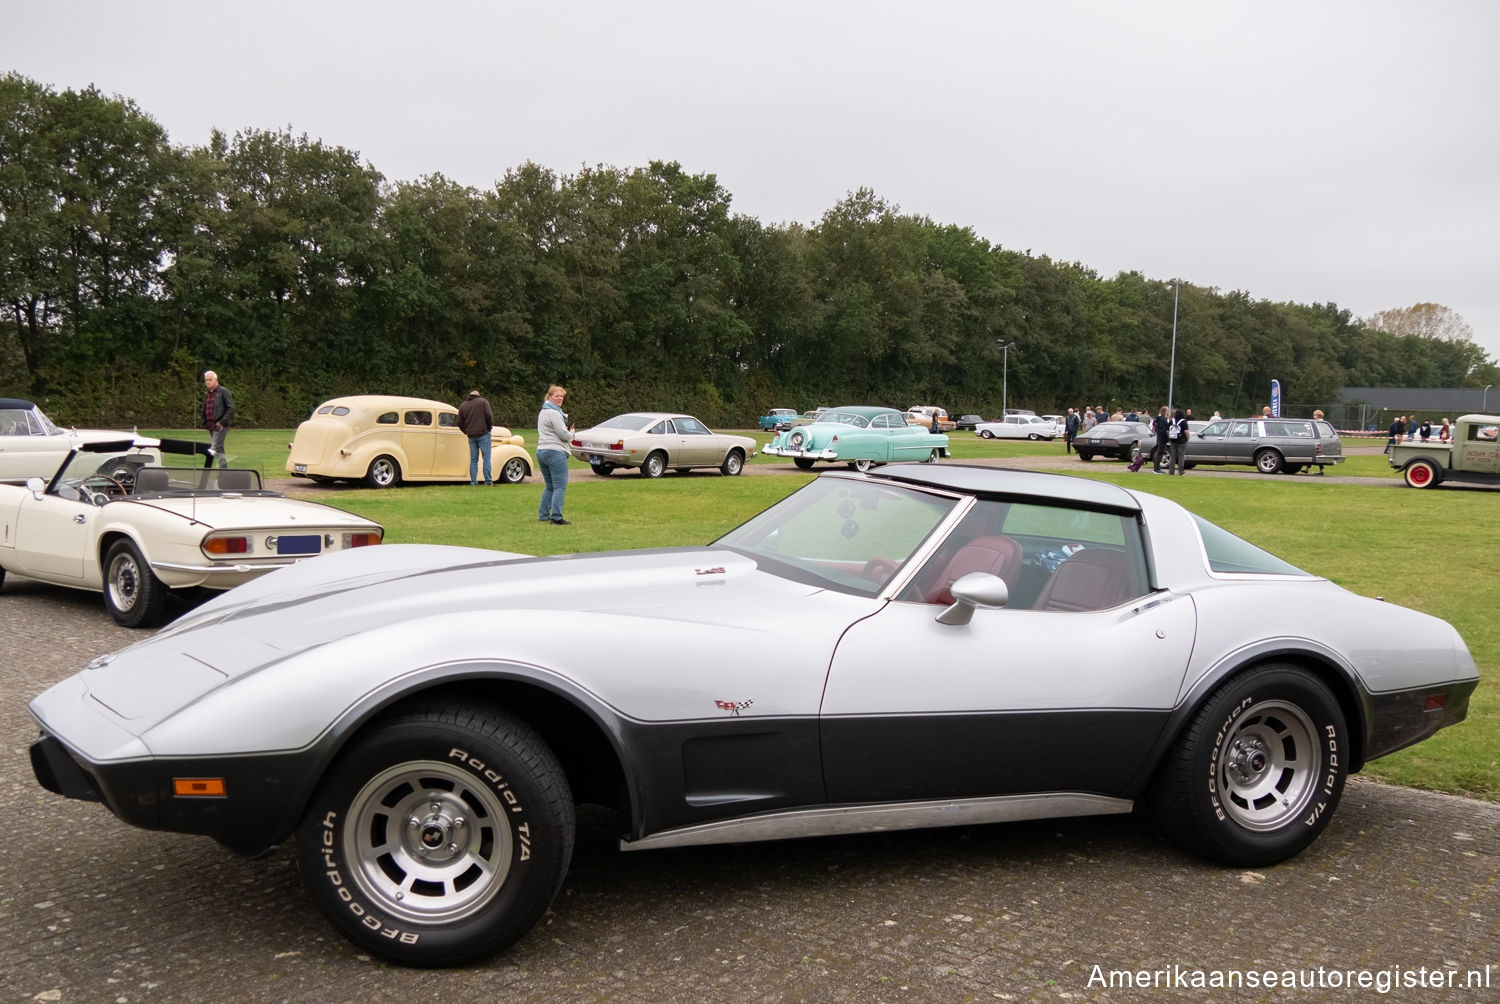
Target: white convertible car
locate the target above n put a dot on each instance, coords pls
(926, 645)
(32, 445)
(110, 521)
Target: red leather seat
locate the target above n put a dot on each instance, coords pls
(997, 555)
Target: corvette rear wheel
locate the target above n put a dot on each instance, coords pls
(133, 595)
(1258, 772)
(439, 836)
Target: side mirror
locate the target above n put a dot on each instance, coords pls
(36, 486)
(977, 589)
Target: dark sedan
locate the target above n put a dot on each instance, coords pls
(1115, 440)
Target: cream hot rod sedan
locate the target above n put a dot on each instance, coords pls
(383, 440)
(162, 529)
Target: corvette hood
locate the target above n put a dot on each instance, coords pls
(346, 623)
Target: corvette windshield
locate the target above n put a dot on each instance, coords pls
(847, 535)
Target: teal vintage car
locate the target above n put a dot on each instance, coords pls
(860, 436)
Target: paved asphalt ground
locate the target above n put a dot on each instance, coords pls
(1402, 891)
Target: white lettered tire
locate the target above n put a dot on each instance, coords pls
(439, 836)
(1258, 772)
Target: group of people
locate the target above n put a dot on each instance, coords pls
(554, 430)
(1412, 429)
(475, 420)
(1170, 427)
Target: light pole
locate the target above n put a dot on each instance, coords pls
(1172, 366)
(1005, 348)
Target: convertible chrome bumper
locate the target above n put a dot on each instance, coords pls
(170, 566)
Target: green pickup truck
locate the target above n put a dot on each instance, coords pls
(1473, 457)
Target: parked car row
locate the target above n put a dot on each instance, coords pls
(1270, 445)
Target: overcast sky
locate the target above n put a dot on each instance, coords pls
(1307, 151)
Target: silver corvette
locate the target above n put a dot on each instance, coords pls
(921, 646)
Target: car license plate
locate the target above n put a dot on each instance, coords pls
(300, 469)
(594, 458)
(305, 543)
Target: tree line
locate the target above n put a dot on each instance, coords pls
(129, 264)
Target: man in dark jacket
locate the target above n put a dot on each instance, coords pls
(1397, 430)
(1161, 427)
(475, 420)
(218, 412)
(1070, 430)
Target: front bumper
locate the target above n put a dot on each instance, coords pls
(787, 451)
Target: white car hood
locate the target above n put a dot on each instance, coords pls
(231, 510)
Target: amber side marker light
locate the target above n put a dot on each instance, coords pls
(199, 787)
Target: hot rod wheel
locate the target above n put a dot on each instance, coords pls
(439, 836)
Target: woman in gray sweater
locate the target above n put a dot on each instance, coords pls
(553, 431)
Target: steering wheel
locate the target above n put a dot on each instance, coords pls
(99, 497)
(878, 570)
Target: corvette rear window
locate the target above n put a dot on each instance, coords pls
(1228, 554)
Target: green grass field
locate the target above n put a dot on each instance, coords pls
(1414, 548)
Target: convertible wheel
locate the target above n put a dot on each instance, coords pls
(733, 464)
(804, 463)
(1421, 474)
(384, 472)
(1257, 773)
(133, 595)
(439, 836)
(603, 470)
(655, 465)
(986, 434)
(514, 471)
(1268, 461)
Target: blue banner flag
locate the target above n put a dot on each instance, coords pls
(1276, 398)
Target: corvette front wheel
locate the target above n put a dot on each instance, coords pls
(439, 836)
(1257, 773)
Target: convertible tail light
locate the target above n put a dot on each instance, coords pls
(199, 787)
(227, 545)
(361, 539)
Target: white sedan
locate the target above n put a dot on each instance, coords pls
(1018, 427)
(655, 441)
(32, 445)
(166, 529)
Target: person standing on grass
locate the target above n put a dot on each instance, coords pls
(553, 434)
(218, 412)
(476, 420)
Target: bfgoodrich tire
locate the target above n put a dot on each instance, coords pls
(439, 836)
(1258, 772)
